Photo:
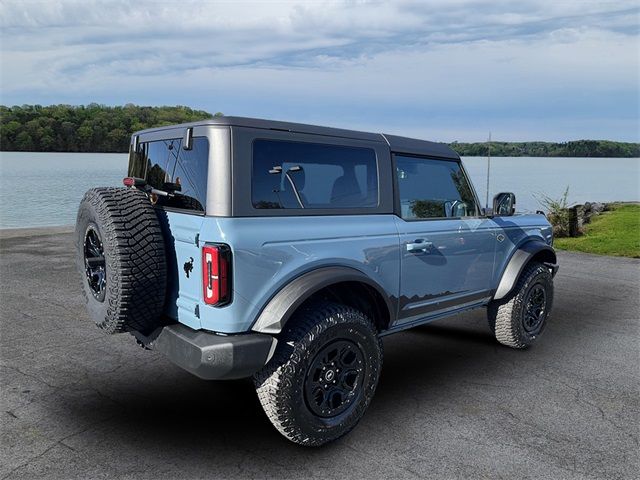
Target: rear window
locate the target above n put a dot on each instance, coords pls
(289, 175)
(165, 165)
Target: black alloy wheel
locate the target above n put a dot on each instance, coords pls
(334, 378)
(535, 308)
(95, 263)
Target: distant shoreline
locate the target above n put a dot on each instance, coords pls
(96, 128)
(571, 149)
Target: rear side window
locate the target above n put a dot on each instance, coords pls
(431, 188)
(300, 175)
(166, 166)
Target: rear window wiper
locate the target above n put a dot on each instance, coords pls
(141, 184)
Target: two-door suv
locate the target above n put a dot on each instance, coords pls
(285, 252)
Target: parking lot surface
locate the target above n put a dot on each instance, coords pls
(451, 403)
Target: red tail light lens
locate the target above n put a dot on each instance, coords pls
(216, 269)
(133, 182)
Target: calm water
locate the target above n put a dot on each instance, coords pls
(44, 189)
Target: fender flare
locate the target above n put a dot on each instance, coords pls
(518, 261)
(285, 302)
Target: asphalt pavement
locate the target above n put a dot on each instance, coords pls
(451, 402)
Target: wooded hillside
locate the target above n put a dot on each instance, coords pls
(90, 128)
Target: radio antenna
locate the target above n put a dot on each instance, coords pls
(488, 170)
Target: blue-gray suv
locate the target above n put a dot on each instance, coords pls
(285, 252)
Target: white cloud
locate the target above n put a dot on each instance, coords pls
(340, 60)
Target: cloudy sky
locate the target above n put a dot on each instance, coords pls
(443, 70)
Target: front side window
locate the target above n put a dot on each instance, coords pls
(290, 175)
(166, 166)
(430, 188)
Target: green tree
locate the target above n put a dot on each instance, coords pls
(90, 128)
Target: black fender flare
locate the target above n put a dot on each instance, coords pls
(519, 260)
(283, 304)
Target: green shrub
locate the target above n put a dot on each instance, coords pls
(557, 212)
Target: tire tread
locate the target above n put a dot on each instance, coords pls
(504, 316)
(273, 380)
(137, 269)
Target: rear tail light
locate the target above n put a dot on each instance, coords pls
(134, 182)
(216, 274)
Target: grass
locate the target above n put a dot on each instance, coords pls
(616, 232)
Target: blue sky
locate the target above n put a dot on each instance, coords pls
(441, 70)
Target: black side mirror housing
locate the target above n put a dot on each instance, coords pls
(504, 204)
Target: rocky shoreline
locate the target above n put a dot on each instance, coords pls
(582, 214)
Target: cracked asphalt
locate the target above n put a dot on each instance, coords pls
(451, 403)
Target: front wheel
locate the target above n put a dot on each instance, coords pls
(323, 374)
(519, 320)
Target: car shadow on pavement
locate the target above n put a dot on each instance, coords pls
(176, 409)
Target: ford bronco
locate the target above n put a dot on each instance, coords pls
(285, 252)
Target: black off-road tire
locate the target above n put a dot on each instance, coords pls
(282, 384)
(507, 317)
(128, 231)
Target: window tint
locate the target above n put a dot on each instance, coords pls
(311, 175)
(166, 166)
(433, 189)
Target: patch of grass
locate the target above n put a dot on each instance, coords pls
(616, 232)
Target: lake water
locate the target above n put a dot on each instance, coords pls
(44, 189)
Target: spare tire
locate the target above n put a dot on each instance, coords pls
(120, 254)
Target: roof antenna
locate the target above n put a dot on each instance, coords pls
(488, 171)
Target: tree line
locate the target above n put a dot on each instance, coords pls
(90, 128)
(101, 128)
(577, 148)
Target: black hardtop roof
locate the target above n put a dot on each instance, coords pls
(396, 143)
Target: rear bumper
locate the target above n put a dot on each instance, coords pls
(211, 356)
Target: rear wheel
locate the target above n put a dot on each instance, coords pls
(323, 374)
(121, 258)
(520, 319)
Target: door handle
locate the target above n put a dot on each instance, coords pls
(420, 245)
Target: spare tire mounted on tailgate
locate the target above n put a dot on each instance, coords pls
(120, 254)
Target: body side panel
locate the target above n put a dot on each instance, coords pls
(455, 269)
(268, 253)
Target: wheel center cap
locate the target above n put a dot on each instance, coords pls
(328, 376)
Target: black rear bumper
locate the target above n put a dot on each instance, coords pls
(211, 356)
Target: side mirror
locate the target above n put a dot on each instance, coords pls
(504, 204)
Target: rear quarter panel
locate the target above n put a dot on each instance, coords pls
(269, 252)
